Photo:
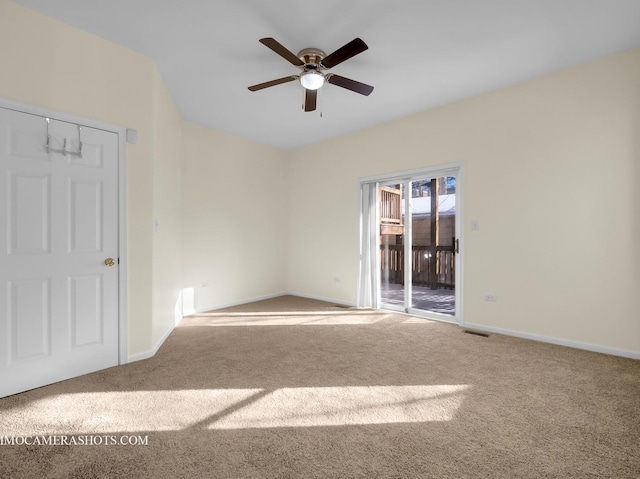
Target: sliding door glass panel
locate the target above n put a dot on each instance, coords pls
(392, 234)
(433, 215)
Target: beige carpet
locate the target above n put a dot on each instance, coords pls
(295, 388)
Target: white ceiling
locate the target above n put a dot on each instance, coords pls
(422, 53)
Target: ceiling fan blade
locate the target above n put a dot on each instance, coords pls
(345, 52)
(282, 51)
(267, 84)
(349, 84)
(310, 98)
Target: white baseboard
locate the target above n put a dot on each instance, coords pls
(559, 341)
(152, 352)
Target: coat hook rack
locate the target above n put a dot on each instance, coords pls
(64, 150)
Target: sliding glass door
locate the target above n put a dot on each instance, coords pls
(433, 240)
(418, 245)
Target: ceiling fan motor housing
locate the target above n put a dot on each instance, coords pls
(311, 57)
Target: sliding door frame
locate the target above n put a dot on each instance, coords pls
(451, 169)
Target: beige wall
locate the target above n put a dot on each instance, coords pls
(52, 65)
(252, 221)
(234, 218)
(166, 211)
(536, 148)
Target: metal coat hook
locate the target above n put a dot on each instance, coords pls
(64, 150)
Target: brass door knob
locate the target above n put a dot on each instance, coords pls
(109, 261)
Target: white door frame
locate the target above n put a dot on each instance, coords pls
(123, 340)
(456, 169)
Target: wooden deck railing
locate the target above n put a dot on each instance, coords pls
(390, 206)
(441, 276)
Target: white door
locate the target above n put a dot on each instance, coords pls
(58, 225)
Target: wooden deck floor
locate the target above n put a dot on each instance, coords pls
(436, 300)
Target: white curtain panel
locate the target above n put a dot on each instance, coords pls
(368, 263)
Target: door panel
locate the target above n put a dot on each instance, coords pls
(433, 219)
(58, 224)
(29, 315)
(85, 216)
(29, 213)
(85, 312)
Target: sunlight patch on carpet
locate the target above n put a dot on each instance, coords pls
(122, 411)
(284, 319)
(416, 320)
(135, 411)
(339, 406)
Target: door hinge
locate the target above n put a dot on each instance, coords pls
(457, 246)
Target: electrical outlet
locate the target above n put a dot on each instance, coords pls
(492, 298)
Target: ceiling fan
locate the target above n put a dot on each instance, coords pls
(313, 63)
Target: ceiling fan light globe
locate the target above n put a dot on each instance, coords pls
(311, 80)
